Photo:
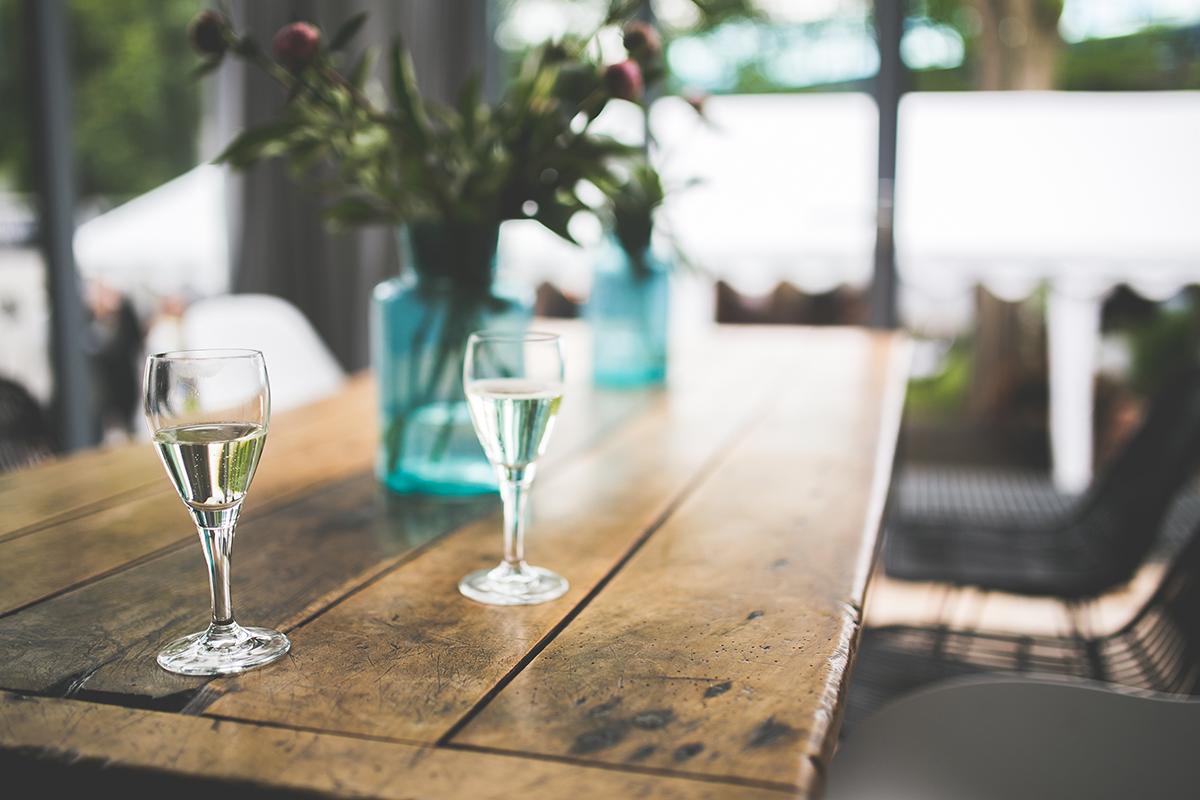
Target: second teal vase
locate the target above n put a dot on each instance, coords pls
(627, 311)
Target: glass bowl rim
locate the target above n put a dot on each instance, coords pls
(206, 353)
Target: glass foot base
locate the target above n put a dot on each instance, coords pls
(223, 650)
(507, 586)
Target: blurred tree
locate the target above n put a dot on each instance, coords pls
(1010, 44)
(1156, 59)
(136, 109)
(712, 13)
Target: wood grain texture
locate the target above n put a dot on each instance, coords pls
(53, 558)
(87, 482)
(409, 656)
(718, 537)
(70, 731)
(307, 447)
(100, 639)
(70, 486)
(722, 647)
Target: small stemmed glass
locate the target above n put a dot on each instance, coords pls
(514, 386)
(208, 411)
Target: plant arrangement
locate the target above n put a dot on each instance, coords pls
(447, 176)
(632, 209)
(627, 309)
(414, 160)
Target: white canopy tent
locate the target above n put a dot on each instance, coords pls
(787, 187)
(1076, 192)
(786, 192)
(1013, 191)
(172, 240)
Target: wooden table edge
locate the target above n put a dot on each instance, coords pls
(893, 401)
(161, 753)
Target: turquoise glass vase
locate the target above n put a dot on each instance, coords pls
(627, 311)
(419, 328)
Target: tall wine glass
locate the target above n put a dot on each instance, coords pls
(514, 386)
(208, 411)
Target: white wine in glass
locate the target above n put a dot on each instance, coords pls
(208, 411)
(514, 387)
(211, 465)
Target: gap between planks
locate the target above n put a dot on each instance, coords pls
(275, 506)
(702, 474)
(145, 558)
(135, 493)
(280, 503)
(203, 698)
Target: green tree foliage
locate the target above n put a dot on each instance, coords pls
(1155, 59)
(135, 108)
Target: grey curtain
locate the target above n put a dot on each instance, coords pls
(280, 244)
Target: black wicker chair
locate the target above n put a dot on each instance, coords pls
(24, 436)
(1158, 650)
(1093, 545)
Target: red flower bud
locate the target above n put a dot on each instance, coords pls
(296, 46)
(642, 40)
(207, 32)
(624, 80)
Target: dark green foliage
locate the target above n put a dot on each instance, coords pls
(135, 110)
(348, 30)
(633, 205)
(1162, 345)
(412, 160)
(943, 394)
(1155, 59)
(1152, 59)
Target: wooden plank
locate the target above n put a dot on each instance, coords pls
(100, 639)
(408, 657)
(324, 442)
(722, 648)
(71, 731)
(71, 486)
(86, 483)
(295, 461)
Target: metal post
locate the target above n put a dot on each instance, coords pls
(48, 68)
(890, 83)
(492, 69)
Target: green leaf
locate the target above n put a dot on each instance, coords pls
(207, 66)
(621, 10)
(305, 154)
(355, 210)
(468, 106)
(347, 31)
(358, 75)
(249, 145)
(408, 103)
(555, 215)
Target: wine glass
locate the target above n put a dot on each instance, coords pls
(208, 411)
(514, 386)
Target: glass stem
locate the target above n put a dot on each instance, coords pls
(216, 529)
(514, 488)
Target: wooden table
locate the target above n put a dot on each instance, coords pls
(718, 536)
